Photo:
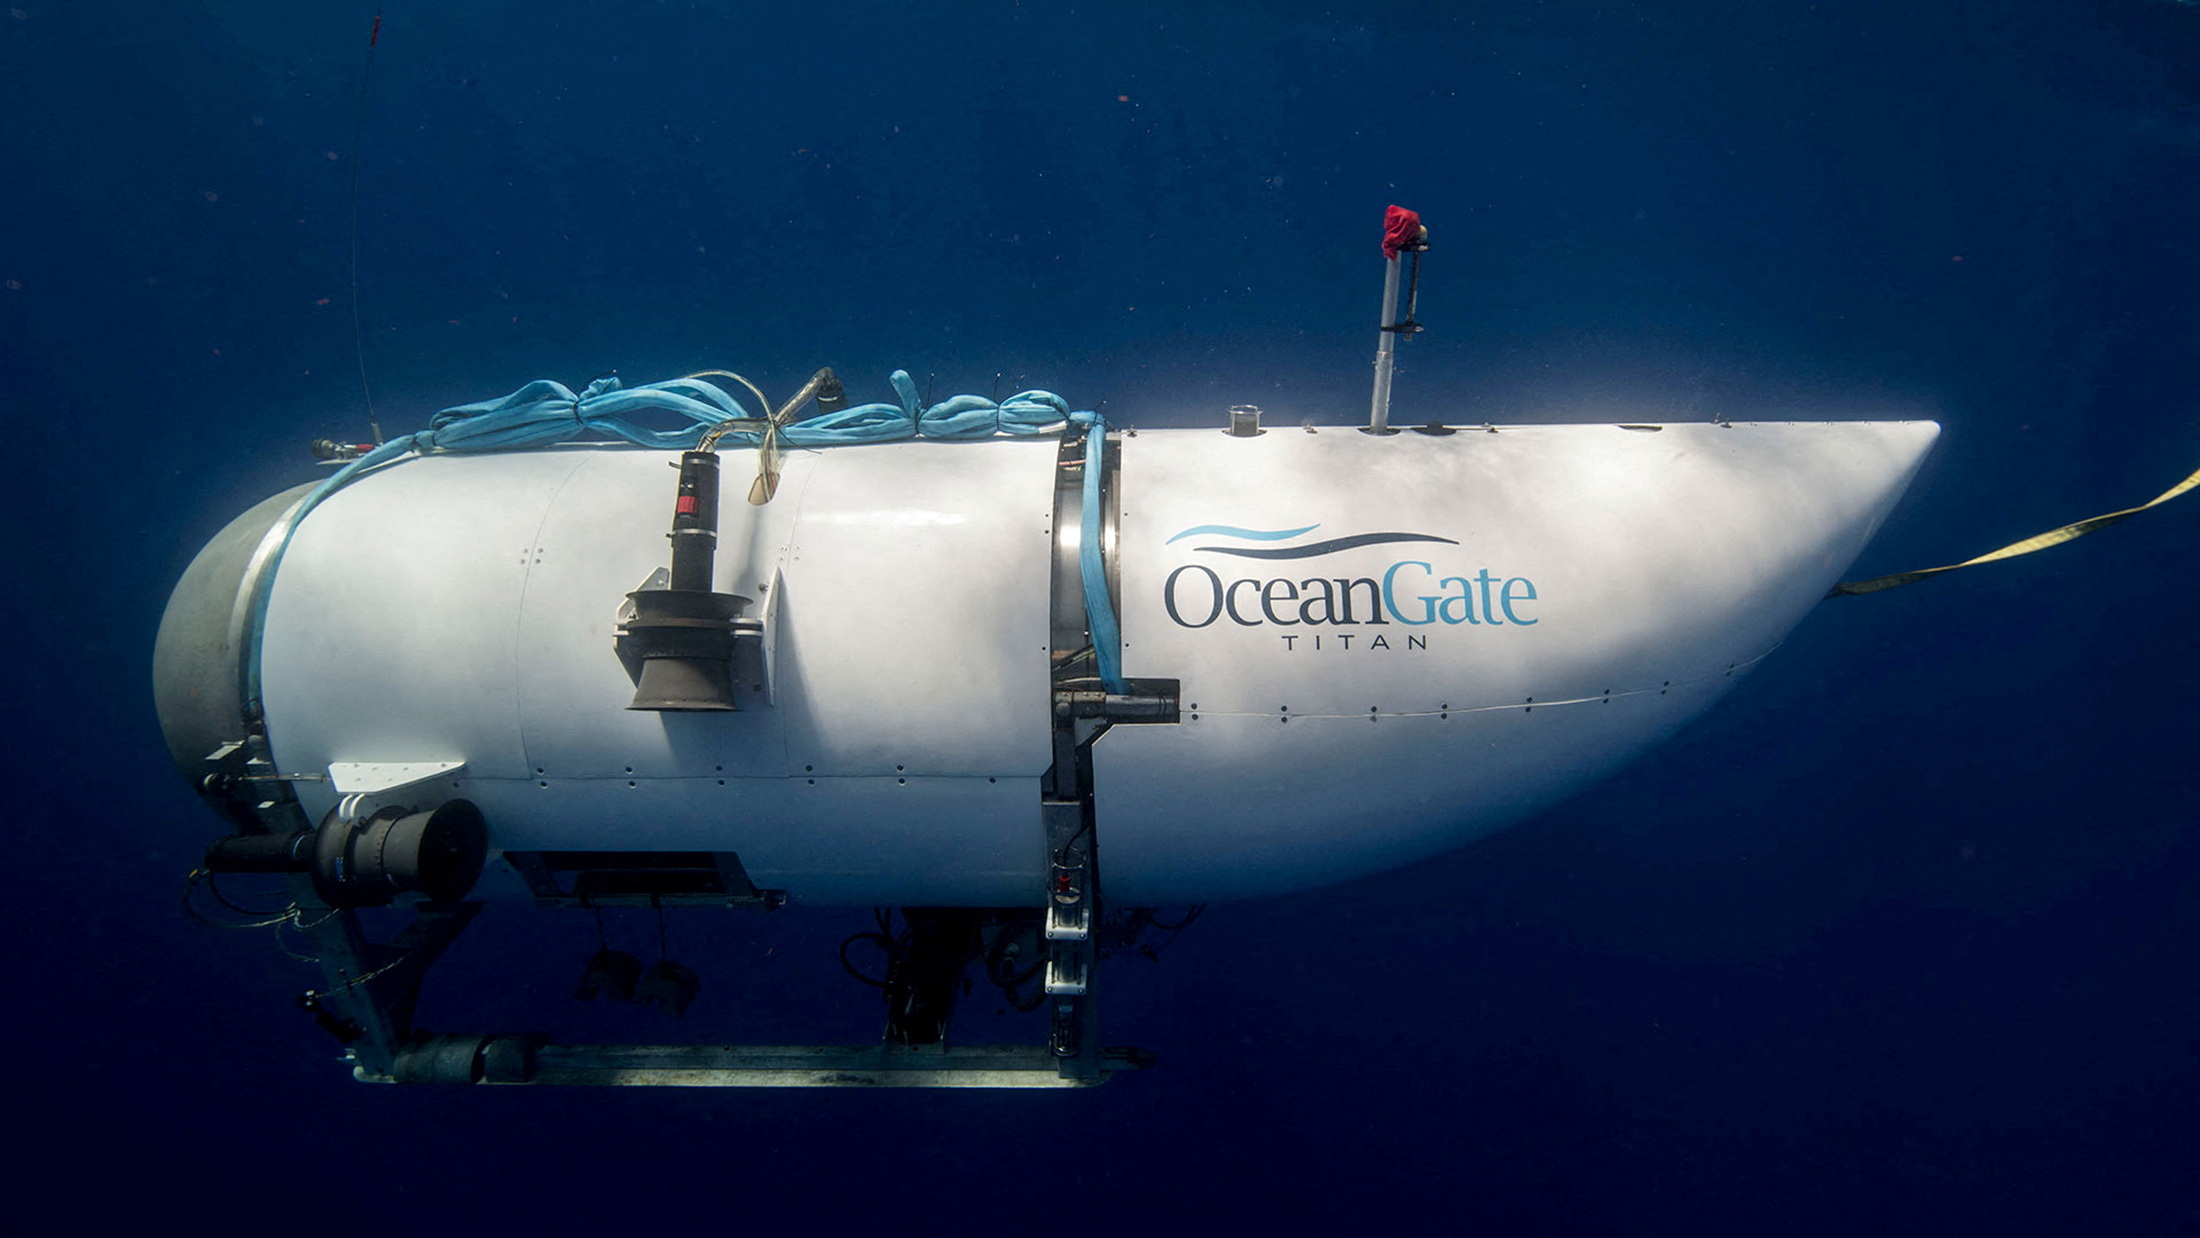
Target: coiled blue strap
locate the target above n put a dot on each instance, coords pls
(545, 412)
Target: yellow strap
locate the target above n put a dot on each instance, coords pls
(2053, 537)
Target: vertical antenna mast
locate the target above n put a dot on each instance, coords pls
(1402, 233)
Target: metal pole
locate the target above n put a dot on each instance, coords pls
(1378, 417)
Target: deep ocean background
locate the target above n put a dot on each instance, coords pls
(1899, 938)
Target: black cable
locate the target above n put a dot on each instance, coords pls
(280, 944)
(1079, 667)
(1123, 930)
(214, 888)
(1180, 925)
(887, 946)
(191, 882)
(1061, 857)
(1153, 953)
(1024, 1003)
(365, 977)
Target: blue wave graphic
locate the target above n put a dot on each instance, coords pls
(1231, 530)
(1331, 546)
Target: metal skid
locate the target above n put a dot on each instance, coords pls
(370, 989)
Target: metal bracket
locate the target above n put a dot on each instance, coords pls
(378, 777)
(371, 990)
(243, 784)
(1069, 921)
(532, 1060)
(1146, 700)
(659, 579)
(1069, 973)
(1083, 710)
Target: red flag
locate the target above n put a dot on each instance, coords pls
(1401, 228)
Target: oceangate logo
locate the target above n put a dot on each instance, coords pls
(1413, 593)
(1314, 550)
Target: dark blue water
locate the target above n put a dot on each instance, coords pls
(1900, 937)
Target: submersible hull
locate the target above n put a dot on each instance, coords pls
(1376, 648)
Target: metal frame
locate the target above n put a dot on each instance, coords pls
(1083, 712)
(526, 1060)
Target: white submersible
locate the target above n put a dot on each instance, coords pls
(992, 678)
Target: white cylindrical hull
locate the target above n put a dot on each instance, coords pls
(1536, 606)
